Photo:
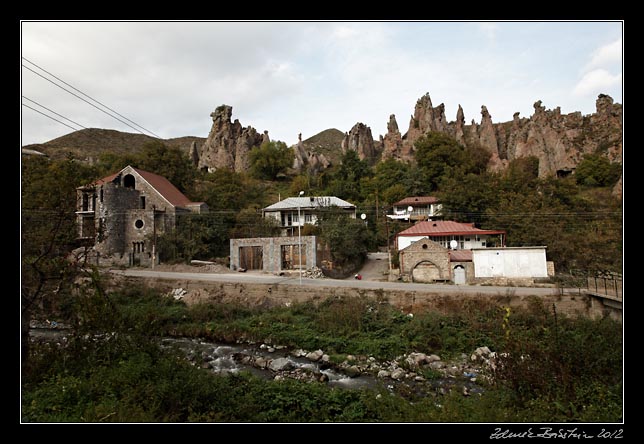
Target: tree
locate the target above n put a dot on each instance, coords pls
(595, 170)
(439, 155)
(48, 234)
(251, 223)
(228, 190)
(348, 238)
(270, 160)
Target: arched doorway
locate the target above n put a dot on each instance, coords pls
(459, 275)
(426, 271)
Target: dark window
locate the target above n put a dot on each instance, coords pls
(85, 202)
(101, 195)
(138, 223)
(128, 181)
(143, 202)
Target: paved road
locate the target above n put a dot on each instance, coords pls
(262, 278)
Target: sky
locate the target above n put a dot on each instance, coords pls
(165, 78)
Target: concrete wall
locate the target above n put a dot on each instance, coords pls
(510, 262)
(272, 251)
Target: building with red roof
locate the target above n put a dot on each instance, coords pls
(120, 215)
(416, 208)
(449, 234)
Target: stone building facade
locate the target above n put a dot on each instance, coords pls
(120, 215)
(273, 254)
(425, 261)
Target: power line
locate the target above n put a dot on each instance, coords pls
(52, 111)
(88, 96)
(50, 117)
(88, 102)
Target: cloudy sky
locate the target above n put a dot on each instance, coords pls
(305, 77)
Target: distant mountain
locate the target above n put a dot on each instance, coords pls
(89, 144)
(328, 142)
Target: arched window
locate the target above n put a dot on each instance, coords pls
(128, 181)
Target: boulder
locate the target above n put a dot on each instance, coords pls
(280, 364)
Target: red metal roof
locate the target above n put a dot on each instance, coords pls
(460, 255)
(417, 200)
(159, 183)
(445, 228)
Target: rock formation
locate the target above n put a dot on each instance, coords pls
(228, 144)
(308, 161)
(558, 140)
(392, 143)
(359, 139)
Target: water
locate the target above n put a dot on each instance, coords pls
(231, 359)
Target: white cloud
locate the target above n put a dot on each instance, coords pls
(606, 55)
(596, 81)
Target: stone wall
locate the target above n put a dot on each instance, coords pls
(272, 251)
(413, 301)
(425, 261)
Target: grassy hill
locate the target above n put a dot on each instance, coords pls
(328, 142)
(89, 143)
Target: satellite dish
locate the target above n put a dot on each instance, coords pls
(453, 244)
(363, 216)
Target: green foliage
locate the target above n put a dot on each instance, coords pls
(556, 370)
(439, 156)
(196, 236)
(270, 160)
(228, 190)
(347, 238)
(596, 170)
(251, 223)
(346, 181)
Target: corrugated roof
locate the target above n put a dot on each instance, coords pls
(162, 185)
(460, 255)
(445, 228)
(293, 203)
(418, 200)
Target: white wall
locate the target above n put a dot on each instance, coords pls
(510, 262)
(405, 241)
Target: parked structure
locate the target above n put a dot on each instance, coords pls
(120, 215)
(294, 212)
(416, 208)
(273, 254)
(466, 235)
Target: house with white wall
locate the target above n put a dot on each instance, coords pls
(465, 235)
(294, 212)
(416, 208)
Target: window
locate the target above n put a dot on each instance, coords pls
(308, 218)
(483, 244)
(138, 224)
(296, 218)
(143, 202)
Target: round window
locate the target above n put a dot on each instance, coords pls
(138, 223)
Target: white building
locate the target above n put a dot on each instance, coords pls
(443, 232)
(416, 208)
(294, 212)
(510, 262)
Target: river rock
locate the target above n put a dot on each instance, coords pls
(384, 374)
(325, 358)
(280, 364)
(352, 371)
(260, 362)
(398, 374)
(298, 353)
(315, 355)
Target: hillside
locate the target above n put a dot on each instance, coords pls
(88, 144)
(328, 142)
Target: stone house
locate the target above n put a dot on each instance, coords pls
(293, 213)
(120, 215)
